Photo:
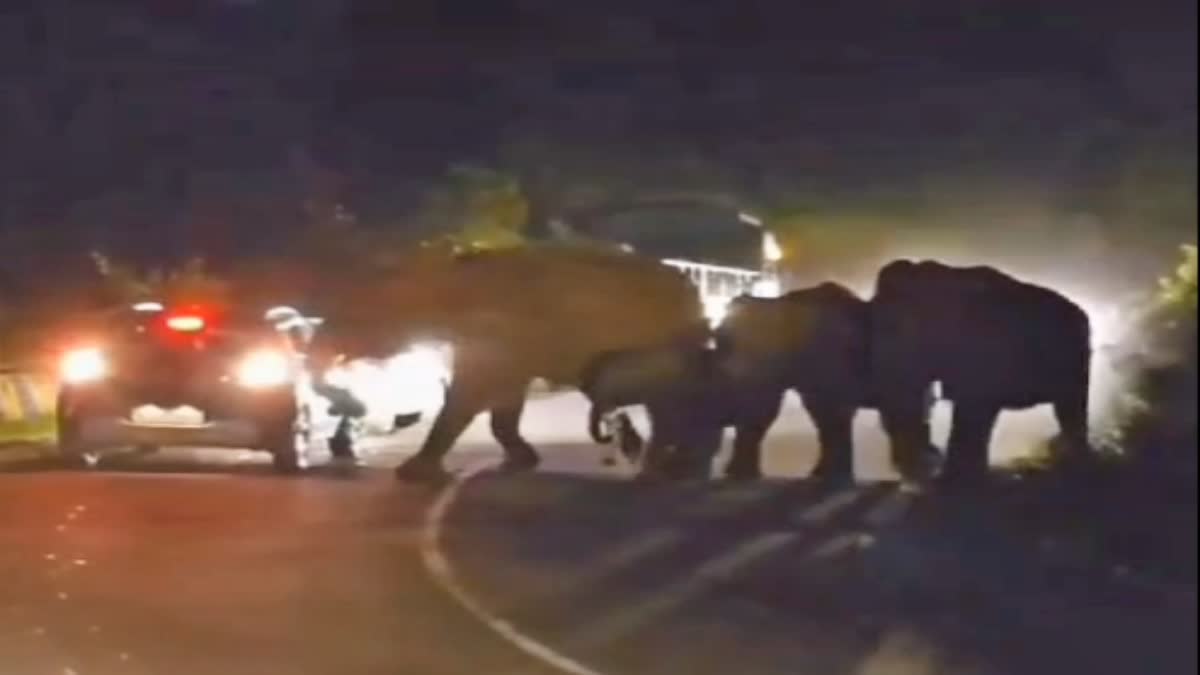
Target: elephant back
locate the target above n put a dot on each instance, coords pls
(978, 331)
(809, 339)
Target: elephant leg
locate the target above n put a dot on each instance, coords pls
(657, 459)
(970, 438)
(1072, 414)
(630, 443)
(908, 432)
(457, 412)
(693, 458)
(665, 438)
(519, 454)
(835, 430)
(754, 418)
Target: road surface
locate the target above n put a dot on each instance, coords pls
(204, 562)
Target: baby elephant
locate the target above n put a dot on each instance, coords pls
(689, 399)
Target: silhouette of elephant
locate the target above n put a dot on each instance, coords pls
(815, 342)
(993, 342)
(812, 341)
(689, 400)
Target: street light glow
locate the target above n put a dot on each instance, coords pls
(771, 249)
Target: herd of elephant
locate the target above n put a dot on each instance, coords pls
(990, 341)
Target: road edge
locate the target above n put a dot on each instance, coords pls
(439, 568)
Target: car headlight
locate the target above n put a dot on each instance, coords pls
(421, 363)
(265, 368)
(83, 365)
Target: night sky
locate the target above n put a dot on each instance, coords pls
(149, 126)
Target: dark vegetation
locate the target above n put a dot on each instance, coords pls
(1136, 505)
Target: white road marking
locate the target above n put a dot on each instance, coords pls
(439, 568)
(673, 596)
(840, 544)
(890, 509)
(827, 508)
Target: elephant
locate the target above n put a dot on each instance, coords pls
(510, 316)
(993, 342)
(688, 398)
(813, 341)
(816, 342)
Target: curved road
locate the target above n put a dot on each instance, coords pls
(199, 562)
(207, 574)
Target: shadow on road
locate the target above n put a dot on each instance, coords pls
(785, 577)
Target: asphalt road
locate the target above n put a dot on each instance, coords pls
(204, 562)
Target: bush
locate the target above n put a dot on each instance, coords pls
(1157, 421)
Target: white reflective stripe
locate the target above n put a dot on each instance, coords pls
(841, 543)
(890, 509)
(439, 568)
(828, 507)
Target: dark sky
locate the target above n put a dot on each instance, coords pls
(145, 123)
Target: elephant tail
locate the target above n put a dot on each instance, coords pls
(596, 423)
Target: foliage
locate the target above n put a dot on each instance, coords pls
(57, 305)
(1158, 421)
(190, 282)
(478, 208)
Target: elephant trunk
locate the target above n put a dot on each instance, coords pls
(596, 423)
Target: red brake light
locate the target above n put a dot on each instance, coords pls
(186, 323)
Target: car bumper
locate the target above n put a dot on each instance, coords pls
(111, 432)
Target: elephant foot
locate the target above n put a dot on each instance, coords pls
(417, 469)
(668, 470)
(684, 467)
(922, 469)
(962, 482)
(520, 462)
(832, 477)
(743, 472)
(652, 476)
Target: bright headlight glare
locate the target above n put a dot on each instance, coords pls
(83, 365)
(266, 368)
(423, 362)
(771, 250)
(715, 310)
(338, 376)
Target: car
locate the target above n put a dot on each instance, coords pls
(158, 376)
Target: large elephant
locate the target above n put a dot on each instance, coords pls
(689, 399)
(992, 341)
(511, 316)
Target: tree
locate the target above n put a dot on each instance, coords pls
(476, 207)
